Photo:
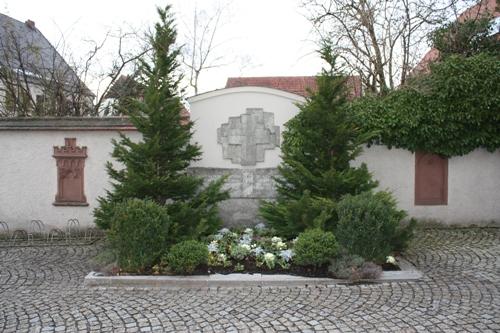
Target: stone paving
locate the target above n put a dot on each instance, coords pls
(41, 290)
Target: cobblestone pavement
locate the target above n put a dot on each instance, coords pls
(41, 290)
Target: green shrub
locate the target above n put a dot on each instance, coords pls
(370, 225)
(291, 217)
(314, 247)
(104, 213)
(140, 232)
(184, 257)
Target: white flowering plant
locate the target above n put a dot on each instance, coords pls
(270, 260)
(256, 247)
(390, 260)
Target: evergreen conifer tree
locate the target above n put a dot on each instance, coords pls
(318, 145)
(156, 167)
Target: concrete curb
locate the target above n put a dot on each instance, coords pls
(238, 280)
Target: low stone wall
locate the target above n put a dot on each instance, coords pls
(247, 187)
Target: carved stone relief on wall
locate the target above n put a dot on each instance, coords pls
(70, 161)
(244, 139)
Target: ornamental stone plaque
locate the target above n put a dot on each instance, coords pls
(70, 160)
(244, 139)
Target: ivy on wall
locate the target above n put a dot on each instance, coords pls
(452, 110)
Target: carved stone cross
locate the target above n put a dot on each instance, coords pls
(244, 139)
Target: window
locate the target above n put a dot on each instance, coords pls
(70, 161)
(431, 179)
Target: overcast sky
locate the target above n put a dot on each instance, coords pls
(271, 36)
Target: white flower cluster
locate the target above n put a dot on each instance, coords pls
(390, 260)
(270, 260)
(213, 247)
(269, 256)
(245, 246)
(278, 243)
(246, 239)
(276, 239)
(287, 255)
(258, 251)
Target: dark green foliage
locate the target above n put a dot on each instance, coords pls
(155, 167)
(291, 217)
(466, 38)
(184, 257)
(140, 232)
(314, 247)
(104, 213)
(370, 225)
(318, 145)
(199, 216)
(450, 111)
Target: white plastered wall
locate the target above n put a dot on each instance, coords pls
(210, 110)
(473, 184)
(28, 175)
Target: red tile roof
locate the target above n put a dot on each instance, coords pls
(299, 85)
(483, 7)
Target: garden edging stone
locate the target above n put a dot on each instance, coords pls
(238, 280)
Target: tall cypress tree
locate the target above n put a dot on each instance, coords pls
(156, 167)
(318, 145)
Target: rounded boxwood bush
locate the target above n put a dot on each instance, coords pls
(314, 247)
(370, 225)
(184, 257)
(139, 234)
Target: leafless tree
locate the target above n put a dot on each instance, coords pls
(36, 79)
(379, 40)
(200, 51)
(125, 60)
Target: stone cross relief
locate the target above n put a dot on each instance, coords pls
(244, 139)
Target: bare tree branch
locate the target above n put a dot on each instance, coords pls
(379, 39)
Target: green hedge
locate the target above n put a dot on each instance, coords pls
(450, 111)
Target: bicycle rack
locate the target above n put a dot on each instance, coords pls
(5, 229)
(72, 224)
(55, 232)
(36, 226)
(16, 233)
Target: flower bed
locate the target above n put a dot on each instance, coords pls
(258, 250)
